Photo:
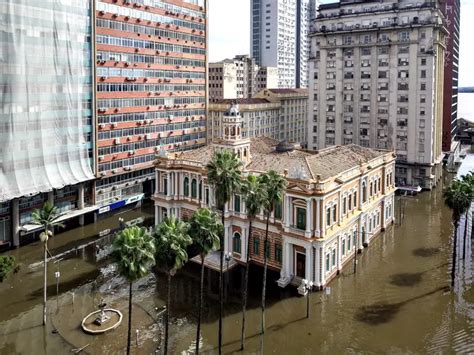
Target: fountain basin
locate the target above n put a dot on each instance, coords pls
(89, 325)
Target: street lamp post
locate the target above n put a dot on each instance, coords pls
(308, 287)
(121, 224)
(228, 258)
(44, 236)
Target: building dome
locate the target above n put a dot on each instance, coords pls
(284, 146)
(233, 110)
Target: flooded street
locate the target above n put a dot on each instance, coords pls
(397, 302)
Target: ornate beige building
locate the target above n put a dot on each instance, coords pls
(337, 200)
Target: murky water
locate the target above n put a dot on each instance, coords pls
(397, 302)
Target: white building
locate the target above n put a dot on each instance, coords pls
(376, 79)
(239, 78)
(279, 38)
(293, 113)
(336, 202)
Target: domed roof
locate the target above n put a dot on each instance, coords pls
(284, 146)
(233, 110)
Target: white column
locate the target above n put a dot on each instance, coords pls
(308, 218)
(323, 219)
(15, 204)
(157, 215)
(339, 252)
(170, 185)
(309, 258)
(317, 256)
(322, 255)
(243, 238)
(318, 218)
(340, 208)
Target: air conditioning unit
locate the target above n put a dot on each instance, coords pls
(103, 78)
(127, 168)
(101, 158)
(148, 136)
(113, 125)
(102, 110)
(103, 173)
(130, 78)
(131, 152)
(114, 171)
(129, 138)
(101, 126)
(117, 140)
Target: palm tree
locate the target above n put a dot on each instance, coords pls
(469, 180)
(457, 197)
(275, 186)
(255, 197)
(171, 240)
(205, 230)
(134, 253)
(223, 173)
(47, 218)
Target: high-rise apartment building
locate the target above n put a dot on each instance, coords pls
(376, 80)
(109, 84)
(451, 10)
(46, 113)
(151, 90)
(279, 38)
(239, 78)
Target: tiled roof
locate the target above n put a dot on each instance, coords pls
(288, 91)
(246, 101)
(301, 164)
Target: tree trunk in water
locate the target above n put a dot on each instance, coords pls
(221, 284)
(201, 292)
(168, 303)
(246, 285)
(45, 297)
(264, 283)
(464, 237)
(455, 245)
(129, 338)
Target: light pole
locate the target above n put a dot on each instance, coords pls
(44, 236)
(308, 287)
(228, 258)
(57, 275)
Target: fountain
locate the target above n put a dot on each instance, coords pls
(101, 321)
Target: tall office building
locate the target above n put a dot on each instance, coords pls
(239, 78)
(451, 10)
(279, 38)
(46, 125)
(151, 91)
(376, 79)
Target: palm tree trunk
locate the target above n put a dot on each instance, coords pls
(129, 338)
(264, 286)
(464, 237)
(221, 283)
(455, 245)
(168, 303)
(246, 285)
(45, 296)
(201, 292)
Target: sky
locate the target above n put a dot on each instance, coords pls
(229, 27)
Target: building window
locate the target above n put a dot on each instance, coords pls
(301, 218)
(237, 203)
(344, 205)
(350, 202)
(344, 246)
(186, 186)
(328, 216)
(364, 192)
(194, 188)
(328, 265)
(237, 243)
(277, 212)
(165, 186)
(333, 258)
(278, 253)
(348, 242)
(355, 199)
(200, 190)
(207, 197)
(256, 246)
(334, 213)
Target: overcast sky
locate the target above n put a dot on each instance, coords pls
(229, 22)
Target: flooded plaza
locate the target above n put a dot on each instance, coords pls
(398, 301)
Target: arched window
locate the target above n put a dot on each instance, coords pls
(236, 243)
(186, 186)
(245, 152)
(237, 203)
(194, 188)
(370, 190)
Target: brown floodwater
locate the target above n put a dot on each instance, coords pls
(397, 302)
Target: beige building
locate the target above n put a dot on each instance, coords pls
(239, 78)
(293, 113)
(376, 79)
(337, 201)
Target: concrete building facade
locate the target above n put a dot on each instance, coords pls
(376, 79)
(151, 91)
(336, 202)
(279, 38)
(239, 78)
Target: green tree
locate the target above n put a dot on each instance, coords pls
(469, 180)
(171, 240)
(255, 196)
(275, 186)
(47, 217)
(134, 253)
(7, 265)
(224, 174)
(457, 197)
(205, 231)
